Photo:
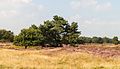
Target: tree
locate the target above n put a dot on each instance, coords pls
(29, 37)
(97, 40)
(86, 39)
(81, 40)
(58, 31)
(6, 36)
(52, 30)
(107, 40)
(71, 34)
(115, 40)
(53, 33)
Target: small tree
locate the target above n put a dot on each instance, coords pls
(6, 36)
(97, 40)
(115, 40)
(83, 40)
(74, 34)
(29, 37)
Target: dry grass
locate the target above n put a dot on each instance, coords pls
(28, 59)
(54, 59)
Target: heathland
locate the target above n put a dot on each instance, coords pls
(88, 56)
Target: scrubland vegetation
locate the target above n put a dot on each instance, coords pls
(82, 57)
(57, 44)
(52, 33)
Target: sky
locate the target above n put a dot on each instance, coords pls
(94, 17)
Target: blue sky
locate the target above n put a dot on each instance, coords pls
(95, 17)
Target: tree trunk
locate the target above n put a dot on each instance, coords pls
(25, 47)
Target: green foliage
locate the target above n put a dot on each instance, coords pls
(115, 40)
(107, 40)
(71, 34)
(28, 37)
(53, 33)
(83, 40)
(95, 39)
(6, 36)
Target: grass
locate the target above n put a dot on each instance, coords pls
(45, 59)
(16, 57)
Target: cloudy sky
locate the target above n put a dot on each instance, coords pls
(95, 17)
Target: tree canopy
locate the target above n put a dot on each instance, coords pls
(55, 32)
(6, 36)
(52, 33)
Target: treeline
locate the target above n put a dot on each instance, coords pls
(55, 32)
(99, 40)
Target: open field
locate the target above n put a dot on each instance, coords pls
(82, 57)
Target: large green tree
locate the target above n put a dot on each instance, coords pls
(53, 33)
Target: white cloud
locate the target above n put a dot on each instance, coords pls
(82, 20)
(22, 1)
(19, 14)
(15, 1)
(91, 21)
(76, 18)
(77, 4)
(13, 8)
(6, 14)
(94, 4)
(104, 7)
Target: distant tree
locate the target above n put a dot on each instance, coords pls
(97, 40)
(88, 40)
(83, 40)
(107, 40)
(115, 40)
(6, 36)
(100, 40)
